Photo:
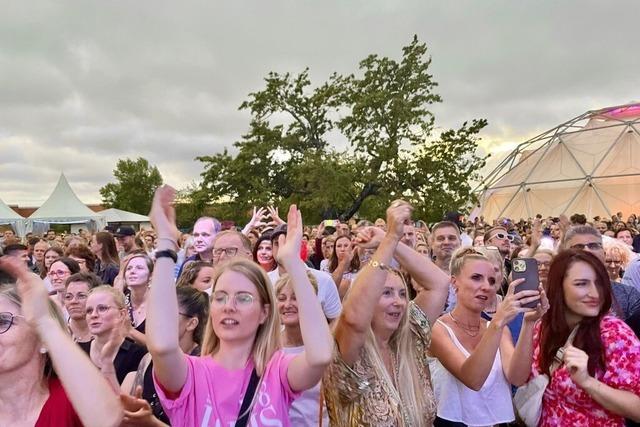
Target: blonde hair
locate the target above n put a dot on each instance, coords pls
(285, 280)
(408, 382)
(118, 296)
(615, 246)
(493, 255)
(267, 340)
(462, 255)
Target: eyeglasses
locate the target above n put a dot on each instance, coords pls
(544, 264)
(58, 273)
(241, 299)
(80, 296)
(613, 261)
(6, 320)
(100, 309)
(593, 246)
(230, 252)
(503, 236)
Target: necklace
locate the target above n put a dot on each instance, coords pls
(470, 330)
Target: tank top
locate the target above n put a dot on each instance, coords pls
(456, 402)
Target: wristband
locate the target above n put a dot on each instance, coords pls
(167, 253)
(377, 264)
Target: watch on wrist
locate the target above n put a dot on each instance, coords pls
(167, 253)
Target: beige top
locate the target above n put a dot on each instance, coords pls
(356, 396)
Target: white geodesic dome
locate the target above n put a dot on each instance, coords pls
(589, 165)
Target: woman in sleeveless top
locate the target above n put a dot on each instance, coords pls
(474, 358)
(379, 376)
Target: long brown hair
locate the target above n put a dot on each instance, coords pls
(554, 329)
(333, 261)
(109, 251)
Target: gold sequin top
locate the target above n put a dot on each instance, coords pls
(356, 396)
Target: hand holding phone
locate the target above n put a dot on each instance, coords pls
(527, 269)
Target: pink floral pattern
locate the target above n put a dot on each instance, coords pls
(566, 404)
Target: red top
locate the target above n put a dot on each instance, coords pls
(566, 404)
(57, 410)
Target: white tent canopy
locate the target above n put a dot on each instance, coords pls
(118, 216)
(64, 207)
(587, 165)
(9, 217)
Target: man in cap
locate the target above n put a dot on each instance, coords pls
(125, 240)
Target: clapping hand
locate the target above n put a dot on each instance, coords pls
(137, 411)
(398, 215)
(370, 237)
(32, 290)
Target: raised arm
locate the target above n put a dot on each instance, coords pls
(306, 369)
(359, 306)
(90, 394)
(169, 363)
(433, 282)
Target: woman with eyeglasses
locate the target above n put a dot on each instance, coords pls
(617, 256)
(58, 273)
(45, 379)
(140, 398)
(379, 376)
(474, 360)
(77, 287)
(106, 315)
(241, 360)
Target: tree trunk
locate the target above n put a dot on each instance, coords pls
(370, 189)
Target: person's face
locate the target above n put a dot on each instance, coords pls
(409, 236)
(609, 233)
(287, 306)
(500, 239)
(136, 273)
(9, 234)
(49, 258)
(423, 250)
(391, 306)
(613, 262)
(581, 294)
(343, 230)
(183, 239)
(23, 255)
(186, 324)
(618, 226)
(51, 235)
(544, 261)
(554, 231)
(149, 241)
(81, 262)
(478, 240)
(625, 236)
(601, 227)
(58, 273)
(236, 309)
(95, 246)
(228, 246)
(475, 284)
(203, 236)
(588, 243)
(125, 243)
(38, 251)
(75, 300)
(19, 343)
(445, 241)
(102, 314)
(264, 254)
(343, 245)
(380, 223)
(204, 279)
(327, 247)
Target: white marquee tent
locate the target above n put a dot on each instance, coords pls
(9, 217)
(64, 207)
(589, 165)
(120, 217)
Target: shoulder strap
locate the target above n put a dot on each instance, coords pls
(243, 415)
(142, 369)
(559, 358)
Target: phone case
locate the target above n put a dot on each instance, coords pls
(527, 269)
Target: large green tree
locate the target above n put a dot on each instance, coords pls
(380, 116)
(136, 181)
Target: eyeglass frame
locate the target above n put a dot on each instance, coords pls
(11, 317)
(581, 246)
(234, 299)
(233, 250)
(503, 236)
(100, 309)
(75, 296)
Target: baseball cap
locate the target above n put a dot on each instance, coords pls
(124, 231)
(280, 229)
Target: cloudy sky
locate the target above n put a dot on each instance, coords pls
(85, 83)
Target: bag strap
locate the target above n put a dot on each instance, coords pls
(142, 369)
(559, 358)
(243, 415)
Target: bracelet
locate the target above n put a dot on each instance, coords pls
(167, 253)
(377, 264)
(169, 239)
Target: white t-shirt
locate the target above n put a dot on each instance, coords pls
(327, 292)
(305, 410)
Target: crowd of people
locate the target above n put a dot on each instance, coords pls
(378, 323)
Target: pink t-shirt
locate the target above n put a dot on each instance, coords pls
(212, 395)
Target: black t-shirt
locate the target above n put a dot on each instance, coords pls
(127, 359)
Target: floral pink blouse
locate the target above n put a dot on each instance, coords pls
(564, 403)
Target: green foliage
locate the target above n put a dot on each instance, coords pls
(383, 114)
(136, 182)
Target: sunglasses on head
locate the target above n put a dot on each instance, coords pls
(503, 236)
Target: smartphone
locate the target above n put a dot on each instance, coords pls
(330, 222)
(527, 269)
